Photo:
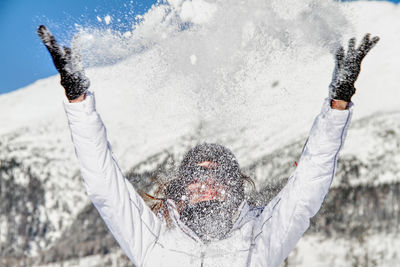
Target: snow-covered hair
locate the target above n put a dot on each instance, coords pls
(225, 169)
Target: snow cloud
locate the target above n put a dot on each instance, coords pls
(224, 58)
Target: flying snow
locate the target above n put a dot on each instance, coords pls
(193, 59)
(107, 19)
(216, 64)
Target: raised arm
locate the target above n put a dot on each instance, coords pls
(131, 222)
(288, 215)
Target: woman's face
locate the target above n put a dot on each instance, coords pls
(209, 189)
(212, 195)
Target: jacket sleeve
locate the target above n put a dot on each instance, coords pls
(290, 212)
(131, 222)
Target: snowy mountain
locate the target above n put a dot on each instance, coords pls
(251, 76)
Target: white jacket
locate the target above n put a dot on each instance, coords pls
(260, 237)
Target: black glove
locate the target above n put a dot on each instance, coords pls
(348, 68)
(69, 65)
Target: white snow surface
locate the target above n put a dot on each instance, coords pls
(250, 70)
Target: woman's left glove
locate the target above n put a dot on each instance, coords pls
(348, 67)
(68, 64)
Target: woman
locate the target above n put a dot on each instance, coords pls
(208, 222)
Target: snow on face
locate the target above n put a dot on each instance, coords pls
(209, 189)
(210, 178)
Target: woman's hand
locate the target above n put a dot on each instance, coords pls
(69, 66)
(347, 69)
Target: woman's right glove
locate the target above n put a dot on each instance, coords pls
(348, 67)
(69, 65)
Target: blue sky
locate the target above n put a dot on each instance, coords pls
(23, 57)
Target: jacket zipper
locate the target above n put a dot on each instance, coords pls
(202, 259)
